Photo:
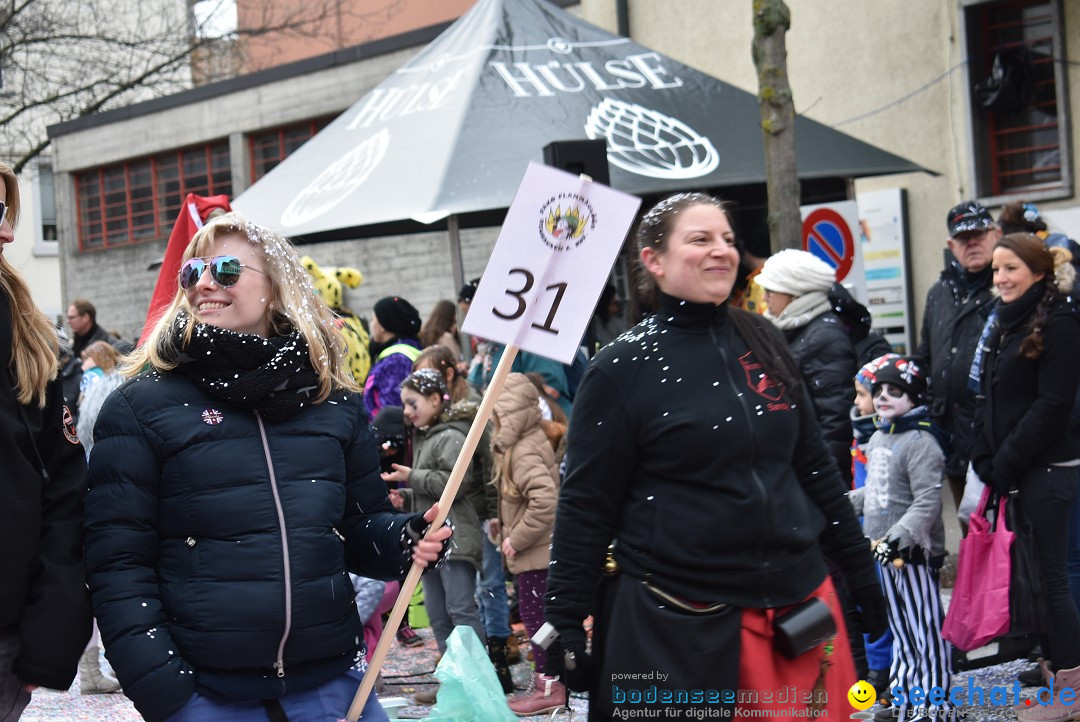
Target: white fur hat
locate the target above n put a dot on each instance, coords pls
(796, 273)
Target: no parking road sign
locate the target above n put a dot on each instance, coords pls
(827, 235)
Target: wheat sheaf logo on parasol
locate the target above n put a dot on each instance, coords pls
(647, 142)
(338, 181)
(565, 220)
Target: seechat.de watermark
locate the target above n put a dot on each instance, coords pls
(927, 701)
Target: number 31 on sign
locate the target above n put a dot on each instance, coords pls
(553, 256)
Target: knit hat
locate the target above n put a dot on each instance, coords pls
(389, 426)
(903, 373)
(796, 273)
(397, 316)
(867, 375)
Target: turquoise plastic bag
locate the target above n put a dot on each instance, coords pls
(469, 690)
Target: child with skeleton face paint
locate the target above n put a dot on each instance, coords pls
(897, 389)
(901, 506)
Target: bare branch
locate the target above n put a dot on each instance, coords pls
(63, 60)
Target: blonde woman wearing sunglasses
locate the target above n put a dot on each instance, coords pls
(44, 609)
(234, 482)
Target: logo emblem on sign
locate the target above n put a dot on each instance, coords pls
(646, 142)
(212, 417)
(565, 221)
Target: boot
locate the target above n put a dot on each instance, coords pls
(496, 648)
(1056, 712)
(513, 648)
(547, 695)
(91, 679)
(1038, 676)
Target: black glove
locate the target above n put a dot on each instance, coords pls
(579, 671)
(413, 531)
(873, 614)
(886, 550)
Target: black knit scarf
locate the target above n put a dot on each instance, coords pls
(1012, 314)
(272, 376)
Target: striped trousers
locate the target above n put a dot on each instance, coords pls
(920, 657)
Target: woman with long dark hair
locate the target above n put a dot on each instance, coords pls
(1027, 386)
(694, 455)
(441, 328)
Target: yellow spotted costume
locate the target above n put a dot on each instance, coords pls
(328, 282)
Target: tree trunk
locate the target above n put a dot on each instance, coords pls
(771, 21)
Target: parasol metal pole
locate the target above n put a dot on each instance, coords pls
(457, 266)
(487, 405)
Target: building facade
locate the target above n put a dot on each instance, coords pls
(893, 75)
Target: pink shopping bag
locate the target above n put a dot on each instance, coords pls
(979, 609)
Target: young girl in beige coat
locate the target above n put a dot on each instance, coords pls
(526, 477)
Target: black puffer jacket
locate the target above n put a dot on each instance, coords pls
(952, 323)
(218, 543)
(42, 595)
(826, 357)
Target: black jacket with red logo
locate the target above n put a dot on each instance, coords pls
(713, 483)
(42, 590)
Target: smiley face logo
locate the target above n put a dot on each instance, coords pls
(862, 695)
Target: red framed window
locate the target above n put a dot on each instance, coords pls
(1015, 56)
(270, 147)
(139, 200)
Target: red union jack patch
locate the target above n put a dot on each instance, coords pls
(212, 417)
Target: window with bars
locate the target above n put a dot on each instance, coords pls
(139, 200)
(270, 147)
(1015, 53)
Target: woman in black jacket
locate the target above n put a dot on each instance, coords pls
(1028, 383)
(44, 608)
(797, 285)
(234, 483)
(695, 453)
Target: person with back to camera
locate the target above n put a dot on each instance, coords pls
(441, 329)
(101, 376)
(1028, 377)
(527, 480)
(44, 607)
(394, 348)
(694, 454)
(234, 483)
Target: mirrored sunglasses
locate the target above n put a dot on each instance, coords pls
(225, 270)
(3, 211)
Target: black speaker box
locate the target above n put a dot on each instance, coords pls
(580, 156)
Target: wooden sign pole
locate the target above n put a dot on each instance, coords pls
(487, 405)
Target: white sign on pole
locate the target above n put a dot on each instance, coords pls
(888, 277)
(553, 255)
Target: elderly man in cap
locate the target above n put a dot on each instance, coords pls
(957, 306)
